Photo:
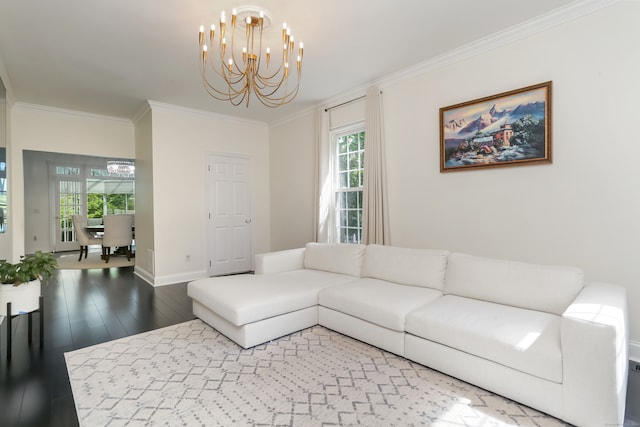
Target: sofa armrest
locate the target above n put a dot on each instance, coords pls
(279, 261)
(595, 340)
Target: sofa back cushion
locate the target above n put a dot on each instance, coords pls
(339, 258)
(536, 287)
(415, 267)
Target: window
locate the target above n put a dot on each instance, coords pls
(349, 172)
(109, 193)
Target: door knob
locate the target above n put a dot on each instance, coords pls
(248, 220)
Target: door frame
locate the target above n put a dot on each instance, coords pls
(54, 186)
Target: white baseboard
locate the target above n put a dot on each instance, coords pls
(634, 351)
(143, 274)
(179, 278)
(170, 279)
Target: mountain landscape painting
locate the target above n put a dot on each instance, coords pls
(501, 130)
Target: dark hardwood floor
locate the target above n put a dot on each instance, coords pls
(81, 308)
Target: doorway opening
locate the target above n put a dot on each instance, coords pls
(63, 185)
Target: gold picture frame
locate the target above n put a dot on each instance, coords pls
(508, 129)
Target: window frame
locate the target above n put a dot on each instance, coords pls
(343, 226)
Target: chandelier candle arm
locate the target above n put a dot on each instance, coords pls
(235, 74)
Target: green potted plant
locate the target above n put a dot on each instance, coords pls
(20, 283)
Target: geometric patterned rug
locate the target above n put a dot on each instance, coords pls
(189, 374)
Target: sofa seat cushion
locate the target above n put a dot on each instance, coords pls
(383, 303)
(248, 298)
(526, 340)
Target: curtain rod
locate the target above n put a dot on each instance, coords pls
(346, 102)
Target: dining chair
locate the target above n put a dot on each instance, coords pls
(117, 233)
(83, 237)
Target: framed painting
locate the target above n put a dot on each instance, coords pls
(507, 129)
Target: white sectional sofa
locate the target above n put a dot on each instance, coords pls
(533, 333)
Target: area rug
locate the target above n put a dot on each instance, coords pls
(190, 375)
(70, 261)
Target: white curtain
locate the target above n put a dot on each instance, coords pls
(375, 217)
(324, 217)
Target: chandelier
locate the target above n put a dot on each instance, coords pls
(246, 71)
(121, 167)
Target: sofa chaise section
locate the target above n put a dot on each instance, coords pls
(281, 298)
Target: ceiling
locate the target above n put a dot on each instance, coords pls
(108, 57)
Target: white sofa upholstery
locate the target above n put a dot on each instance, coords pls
(533, 333)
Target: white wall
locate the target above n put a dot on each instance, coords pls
(182, 139)
(172, 144)
(53, 130)
(144, 197)
(581, 210)
(292, 152)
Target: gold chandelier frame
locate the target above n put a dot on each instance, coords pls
(250, 71)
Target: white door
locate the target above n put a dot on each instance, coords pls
(229, 215)
(69, 196)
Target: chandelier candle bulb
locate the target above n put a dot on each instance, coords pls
(223, 24)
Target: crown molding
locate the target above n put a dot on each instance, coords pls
(501, 38)
(56, 110)
(226, 118)
(293, 117)
(141, 112)
(510, 35)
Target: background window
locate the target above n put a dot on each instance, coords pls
(349, 156)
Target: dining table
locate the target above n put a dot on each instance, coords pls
(100, 228)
